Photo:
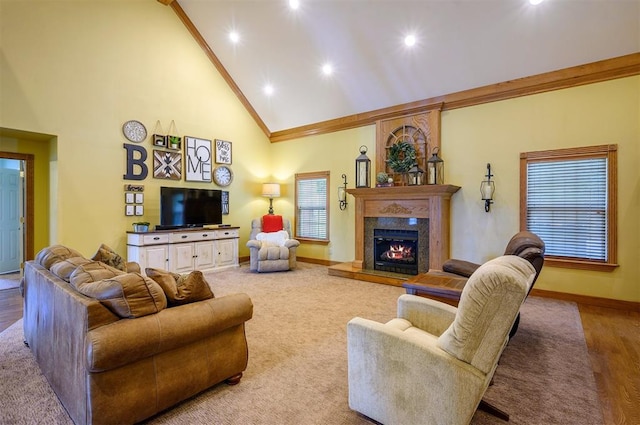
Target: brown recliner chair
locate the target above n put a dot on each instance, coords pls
(523, 244)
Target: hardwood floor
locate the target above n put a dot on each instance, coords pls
(612, 337)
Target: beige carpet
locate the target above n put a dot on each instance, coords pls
(297, 360)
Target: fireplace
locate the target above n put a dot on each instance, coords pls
(396, 251)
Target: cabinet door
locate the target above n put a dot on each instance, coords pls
(204, 255)
(227, 252)
(157, 257)
(181, 256)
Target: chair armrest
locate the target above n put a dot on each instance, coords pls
(254, 244)
(290, 243)
(460, 267)
(429, 315)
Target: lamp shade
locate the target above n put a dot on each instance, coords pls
(271, 190)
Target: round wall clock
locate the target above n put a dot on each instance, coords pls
(222, 175)
(134, 131)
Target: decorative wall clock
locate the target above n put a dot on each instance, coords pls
(134, 131)
(222, 175)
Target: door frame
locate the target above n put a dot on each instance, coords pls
(29, 215)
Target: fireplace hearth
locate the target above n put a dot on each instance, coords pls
(396, 251)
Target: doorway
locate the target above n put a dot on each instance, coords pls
(16, 212)
(11, 215)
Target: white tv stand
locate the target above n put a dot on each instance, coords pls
(184, 250)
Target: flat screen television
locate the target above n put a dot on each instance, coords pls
(184, 207)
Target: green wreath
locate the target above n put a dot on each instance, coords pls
(402, 156)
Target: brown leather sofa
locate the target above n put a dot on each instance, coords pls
(108, 369)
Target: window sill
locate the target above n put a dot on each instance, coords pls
(316, 241)
(580, 265)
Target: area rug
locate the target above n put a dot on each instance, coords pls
(297, 371)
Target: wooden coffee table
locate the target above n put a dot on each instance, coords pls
(438, 285)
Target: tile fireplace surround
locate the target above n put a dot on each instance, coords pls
(431, 202)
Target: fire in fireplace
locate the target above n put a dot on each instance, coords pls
(396, 250)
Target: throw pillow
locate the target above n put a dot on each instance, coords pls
(110, 258)
(274, 238)
(91, 272)
(127, 295)
(47, 257)
(64, 269)
(271, 223)
(183, 289)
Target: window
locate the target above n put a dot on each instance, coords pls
(312, 206)
(568, 198)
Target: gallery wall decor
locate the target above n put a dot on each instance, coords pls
(158, 138)
(223, 152)
(133, 200)
(167, 165)
(173, 140)
(134, 131)
(198, 159)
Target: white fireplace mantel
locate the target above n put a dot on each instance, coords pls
(425, 201)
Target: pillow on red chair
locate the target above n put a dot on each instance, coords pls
(272, 223)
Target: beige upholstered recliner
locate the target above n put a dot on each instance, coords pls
(433, 363)
(271, 248)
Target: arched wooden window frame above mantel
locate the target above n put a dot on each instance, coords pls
(428, 124)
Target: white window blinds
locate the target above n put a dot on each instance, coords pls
(311, 208)
(567, 207)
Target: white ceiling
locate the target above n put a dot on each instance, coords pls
(460, 45)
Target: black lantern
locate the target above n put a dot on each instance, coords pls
(435, 168)
(415, 175)
(363, 168)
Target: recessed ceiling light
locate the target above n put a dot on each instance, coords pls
(294, 4)
(327, 69)
(268, 89)
(410, 40)
(234, 37)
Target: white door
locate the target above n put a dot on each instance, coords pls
(158, 257)
(205, 259)
(181, 257)
(10, 213)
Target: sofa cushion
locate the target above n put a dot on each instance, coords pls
(181, 289)
(272, 223)
(47, 257)
(128, 295)
(110, 258)
(92, 272)
(63, 269)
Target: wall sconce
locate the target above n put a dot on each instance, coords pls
(342, 193)
(271, 190)
(487, 188)
(435, 168)
(363, 168)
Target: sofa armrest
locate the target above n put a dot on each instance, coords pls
(133, 267)
(129, 340)
(460, 267)
(429, 315)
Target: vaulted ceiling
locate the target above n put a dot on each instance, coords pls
(459, 45)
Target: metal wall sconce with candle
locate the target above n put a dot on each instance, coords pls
(363, 168)
(435, 168)
(342, 193)
(487, 188)
(271, 190)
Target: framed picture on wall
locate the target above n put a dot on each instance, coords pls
(223, 152)
(198, 157)
(167, 165)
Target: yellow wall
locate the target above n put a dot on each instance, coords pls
(603, 113)
(79, 70)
